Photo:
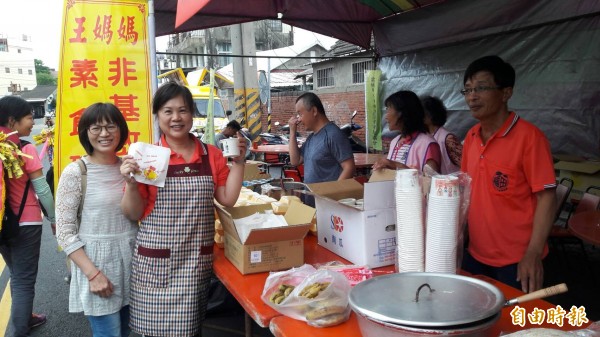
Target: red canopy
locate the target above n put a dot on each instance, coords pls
(348, 20)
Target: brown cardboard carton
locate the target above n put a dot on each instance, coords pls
(266, 249)
(583, 173)
(252, 171)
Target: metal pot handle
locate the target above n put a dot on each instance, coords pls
(542, 293)
(421, 287)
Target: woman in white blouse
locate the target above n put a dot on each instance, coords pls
(100, 244)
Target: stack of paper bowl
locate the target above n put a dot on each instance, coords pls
(442, 225)
(360, 204)
(347, 201)
(409, 222)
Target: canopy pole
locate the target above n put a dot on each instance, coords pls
(153, 66)
(152, 46)
(269, 96)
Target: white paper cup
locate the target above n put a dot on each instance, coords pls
(230, 147)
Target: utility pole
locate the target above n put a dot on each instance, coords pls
(245, 75)
(210, 64)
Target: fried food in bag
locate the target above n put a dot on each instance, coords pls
(318, 297)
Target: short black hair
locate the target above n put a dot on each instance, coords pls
(311, 100)
(234, 125)
(167, 92)
(101, 112)
(436, 111)
(503, 72)
(15, 107)
(408, 105)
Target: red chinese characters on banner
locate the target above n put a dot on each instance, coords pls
(121, 69)
(103, 30)
(127, 30)
(83, 73)
(104, 54)
(79, 31)
(75, 117)
(127, 106)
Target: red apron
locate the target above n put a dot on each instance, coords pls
(172, 264)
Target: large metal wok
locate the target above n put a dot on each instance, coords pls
(410, 304)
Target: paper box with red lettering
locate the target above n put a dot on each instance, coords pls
(364, 237)
(266, 249)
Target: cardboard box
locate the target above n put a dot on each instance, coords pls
(253, 171)
(266, 249)
(366, 237)
(583, 173)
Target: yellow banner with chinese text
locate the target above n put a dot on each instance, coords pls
(104, 57)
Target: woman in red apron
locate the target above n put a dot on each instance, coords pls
(172, 263)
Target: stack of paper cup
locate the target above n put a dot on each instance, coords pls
(442, 225)
(409, 222)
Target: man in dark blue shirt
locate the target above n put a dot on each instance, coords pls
(326, 153)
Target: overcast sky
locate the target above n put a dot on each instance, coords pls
(41, 19)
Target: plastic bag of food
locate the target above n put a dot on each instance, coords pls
(318, 297)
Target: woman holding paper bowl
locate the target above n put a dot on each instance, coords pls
(100, 239)
(413, 147)
(172, 263)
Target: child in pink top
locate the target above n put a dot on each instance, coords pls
(21, 253)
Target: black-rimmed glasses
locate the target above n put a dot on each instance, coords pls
(97, 129)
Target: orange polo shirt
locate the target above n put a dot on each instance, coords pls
(218, 165)
(507, 171)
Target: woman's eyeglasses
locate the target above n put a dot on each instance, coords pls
(97, 129)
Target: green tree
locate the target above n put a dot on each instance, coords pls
(43, 79)
(42, 73)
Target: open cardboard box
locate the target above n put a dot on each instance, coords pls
(252, 171)
(364, 237)
(583, 173)
(266, 249)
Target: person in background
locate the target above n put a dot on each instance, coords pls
(450, 146)
(100, 244)
(22, 253)
(413, 147)
(230, 130)
(512, 191)
(172, 264)
(326, 153)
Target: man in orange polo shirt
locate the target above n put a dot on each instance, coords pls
(512, 198)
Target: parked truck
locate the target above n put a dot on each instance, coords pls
(196, 81)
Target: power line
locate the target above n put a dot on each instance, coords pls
(275, 57)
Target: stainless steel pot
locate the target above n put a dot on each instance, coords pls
(413, 304)
(370, 327)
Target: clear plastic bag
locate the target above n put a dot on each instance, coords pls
(318, 297)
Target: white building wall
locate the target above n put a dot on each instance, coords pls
(17, 64)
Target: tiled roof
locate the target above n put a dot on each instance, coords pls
(39, 93)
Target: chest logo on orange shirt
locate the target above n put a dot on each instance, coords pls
(500, 181)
